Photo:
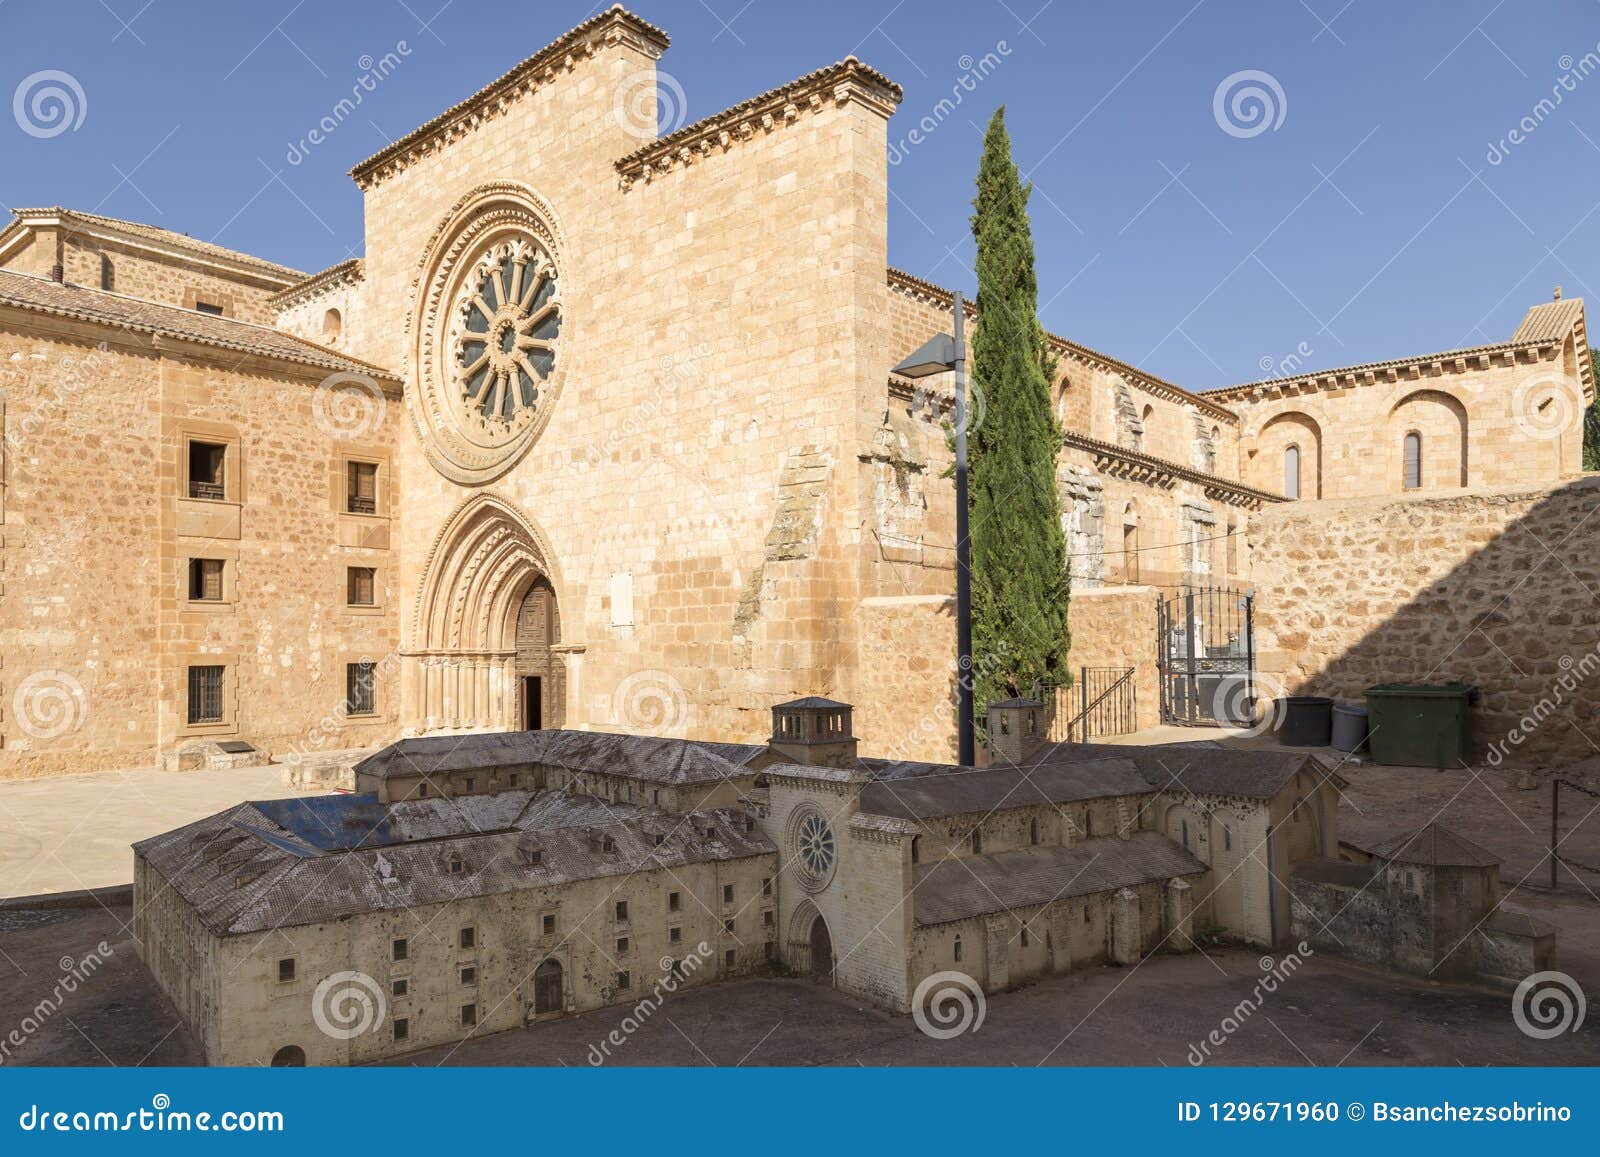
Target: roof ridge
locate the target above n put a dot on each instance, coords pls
(182, 240)
(505, 86)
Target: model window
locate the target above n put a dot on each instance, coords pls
(469, 937)
(205, 694)
(286, 969)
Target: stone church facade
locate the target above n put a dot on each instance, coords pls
(599, 433)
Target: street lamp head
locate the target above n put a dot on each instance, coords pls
(936, 356)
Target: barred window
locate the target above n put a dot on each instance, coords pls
(359, 695)
(205, 580)
(205, 694)
(361, 585)
(361, 496)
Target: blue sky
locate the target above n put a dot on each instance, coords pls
(1364, 220)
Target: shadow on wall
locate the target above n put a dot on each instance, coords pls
(1500, 589)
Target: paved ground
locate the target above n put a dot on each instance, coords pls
(66, 832)
(1326, 1013)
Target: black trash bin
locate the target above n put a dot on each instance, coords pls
(1307, 721)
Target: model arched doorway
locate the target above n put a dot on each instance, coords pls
(289, 1057)
(821, 952)
(541, 678)
(547, 989)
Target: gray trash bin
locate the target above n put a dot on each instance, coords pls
(1349, 727)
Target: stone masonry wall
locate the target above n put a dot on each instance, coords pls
(1492, 587)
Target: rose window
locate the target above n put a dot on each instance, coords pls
(814, 849)
(507, 322)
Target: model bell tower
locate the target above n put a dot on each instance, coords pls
(814, 730)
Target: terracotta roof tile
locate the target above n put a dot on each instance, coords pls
(41, 295)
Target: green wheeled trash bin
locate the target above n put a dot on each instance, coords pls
(1420, 724)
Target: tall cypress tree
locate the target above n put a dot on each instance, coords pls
(1019, 571)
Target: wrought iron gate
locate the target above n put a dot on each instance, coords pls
(1206, 649)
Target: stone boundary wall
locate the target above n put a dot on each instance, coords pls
(1115, 626)
(1496, 588)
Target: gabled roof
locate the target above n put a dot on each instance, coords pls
(94, 223)
(962, 791)
(644, 757)
(956, 888)
(1248, 773)
(493, 97)
(813, 703)
(1436, 846)
(244, 871)
(76, 302)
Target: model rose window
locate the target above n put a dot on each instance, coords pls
(816, 847)
(510, 317)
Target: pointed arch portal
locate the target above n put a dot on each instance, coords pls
(461, 671)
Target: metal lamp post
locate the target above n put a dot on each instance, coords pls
(942, 354)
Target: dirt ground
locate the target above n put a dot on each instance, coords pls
(1327, 1013)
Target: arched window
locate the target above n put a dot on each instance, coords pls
(1186, 833)
(289, 1057)
(916, 849)
(958, 948)
(108, 274)
(1413, 461)
(332, 327)
(977, 841)
(1291, 472)
(1033, 831)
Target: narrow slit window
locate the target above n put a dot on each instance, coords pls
(1413, 461)
(1291, 472)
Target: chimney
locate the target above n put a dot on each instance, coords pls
(1016, 730)
(1557, 296)
(815, 731)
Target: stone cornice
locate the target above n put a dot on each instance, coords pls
(1423, 366)
(616, 25)
(345, 273)
(848, 80)
(931, 294)
(1147, 468)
